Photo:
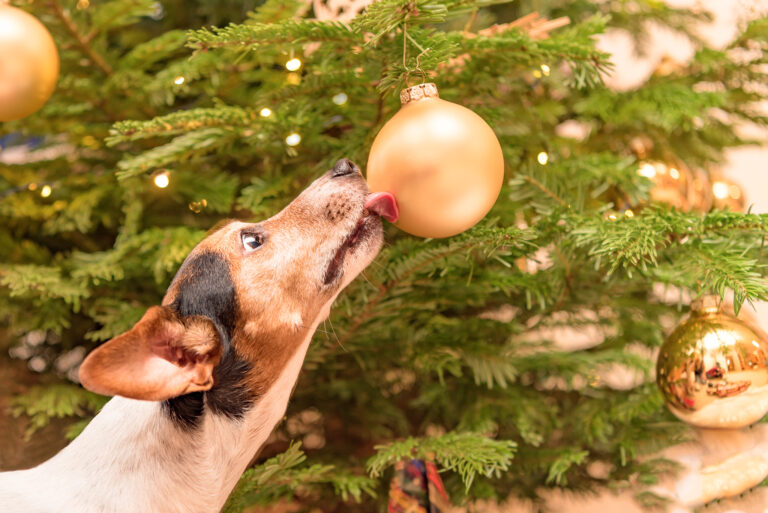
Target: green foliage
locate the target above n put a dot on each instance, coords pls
(41, 404)
(461, 336)
(469, 454)
(283, 475)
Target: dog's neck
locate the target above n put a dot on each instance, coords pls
(134, 457)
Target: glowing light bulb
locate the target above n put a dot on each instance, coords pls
(647, 170)
(293, 139)
(293, 64)
(162, 180)
(720, 190)
(340, 99)
(46, 191)
(545, 70)
(629, 213)
(265, 112)
(674, 173)
(178, 80)
(32, 187)
(543, 158)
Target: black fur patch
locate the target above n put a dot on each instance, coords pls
(206, 288)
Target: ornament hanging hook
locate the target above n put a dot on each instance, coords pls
(406, 38)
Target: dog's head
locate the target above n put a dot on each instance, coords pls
(243, 301)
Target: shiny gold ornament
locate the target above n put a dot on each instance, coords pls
(727, 194)
(441, 161)
(671, 183)
(29, 63)
(713, 369)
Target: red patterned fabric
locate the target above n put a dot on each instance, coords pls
(417, 488)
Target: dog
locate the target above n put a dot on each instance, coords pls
(201, 380)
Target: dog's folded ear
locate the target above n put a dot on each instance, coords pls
(161, 357)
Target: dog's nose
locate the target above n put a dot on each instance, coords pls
(344, 167)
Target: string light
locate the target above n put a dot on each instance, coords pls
(340, 99)
(543, 158)
(629, 213)
(293, 64)
(545, 70)
(720, 190)
(162, 180)
(674, 173)
(32, 187)
(178, 80)
(265, 112)
(46, 191)
(293, 139)
(647, 170)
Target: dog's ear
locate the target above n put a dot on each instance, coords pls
(161, 357)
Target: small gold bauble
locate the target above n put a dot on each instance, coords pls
(441, 161)
(670, 183)
(29, 63)
(713, 369)
(727, 194)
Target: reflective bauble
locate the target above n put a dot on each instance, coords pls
(713, 369)
(441, 161)
(29, 63)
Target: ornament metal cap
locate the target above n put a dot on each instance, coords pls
(419, 92)
(706, 304)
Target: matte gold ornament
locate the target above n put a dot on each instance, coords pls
(29, 63)
(441, 161)
(713, 369)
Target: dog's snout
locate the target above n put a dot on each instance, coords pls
(344, 167)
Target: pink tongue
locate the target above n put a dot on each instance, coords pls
(383, 204)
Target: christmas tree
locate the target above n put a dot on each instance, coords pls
(171, 116)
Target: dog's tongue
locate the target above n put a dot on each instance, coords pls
(383, 204)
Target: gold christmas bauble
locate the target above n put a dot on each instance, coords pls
(441, 161)
(727, 194)
(29, 63)
(713, 369)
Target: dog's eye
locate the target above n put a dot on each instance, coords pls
(251, 241)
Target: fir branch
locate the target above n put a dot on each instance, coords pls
(249, 37)
(42, 404)
(280, 476)
(82, 40)
(181, 122)
(468, 454)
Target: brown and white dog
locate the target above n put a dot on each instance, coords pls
(202, 380)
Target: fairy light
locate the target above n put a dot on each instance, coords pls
(178, 80)
(265, 112)
(46, 191)
(674, 173)
(293, 139)
(340, 99)
(32, 187)
(629, 213)
(293, 64)
(543, 158)
(720, 190)
(734, 191)
(647, 170)
(162, 180)
(545, 70)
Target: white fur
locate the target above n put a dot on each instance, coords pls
(133, 458)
